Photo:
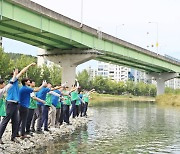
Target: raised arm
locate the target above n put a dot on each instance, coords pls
(25, 69)
(91, 91)
(55, 88)
(54, 93)
(81, 100)
(77, 84)
(9, 85)
(44, 83)
(39, 100)
(64, 84)
(65, 93)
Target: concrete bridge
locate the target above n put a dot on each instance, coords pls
(68, 43)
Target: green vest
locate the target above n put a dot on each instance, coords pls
(58, 105)
(48, 100)
(78, 102)
(2, 107)
(33, 104)
(67, 99)
(74, 96)
(86, 98)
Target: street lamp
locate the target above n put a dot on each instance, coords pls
(117, 28)
(157, 31)
(81, 25)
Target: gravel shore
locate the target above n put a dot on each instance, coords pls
(38, 140)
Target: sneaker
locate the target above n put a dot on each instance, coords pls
(24, 136)
(15, 140)
(46, 129)
(57, 126)
(69, 123)
(1, 142)
(32, 130)
(39, 132)
(29, 133)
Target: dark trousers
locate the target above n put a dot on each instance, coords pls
(39, 112)
(66, 113)
(45, 116)
(61, 118)
(58, 113)
(35, 116)
(11, 113)
(23, 113)
(85, 108)
(82, 108)
(29, 119)
(73, 109)
(77, 110)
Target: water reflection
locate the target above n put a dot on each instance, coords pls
(124, 127)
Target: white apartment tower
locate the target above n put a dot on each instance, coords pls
(173, 83)
(114, 72)
(92, 72)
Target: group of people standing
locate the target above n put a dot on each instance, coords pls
(45, 106)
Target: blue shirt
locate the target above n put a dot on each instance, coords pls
(13, 92)
(80, 96)
(24, 96)
(55, 99)
(42, 94)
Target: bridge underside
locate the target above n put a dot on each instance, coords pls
(132, 63)
(34, 36)
(33, 24)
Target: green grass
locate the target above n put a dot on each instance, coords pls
(99, 98)
(168, 99)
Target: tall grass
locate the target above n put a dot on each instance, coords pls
(99, 98)
(168, 99)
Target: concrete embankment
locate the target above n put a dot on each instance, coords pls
(38, 140)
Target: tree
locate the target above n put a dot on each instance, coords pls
(45, 73)
(55, 75)
(5, 65)
(130, 87)
(100, 84)
(84, 79)
(121, 87)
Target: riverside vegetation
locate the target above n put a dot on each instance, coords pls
(96, 98)
(171, 97)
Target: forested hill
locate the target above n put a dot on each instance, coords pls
(15, 56)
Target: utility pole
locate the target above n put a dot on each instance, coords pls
(157, 33)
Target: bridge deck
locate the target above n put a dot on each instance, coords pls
(34, 24)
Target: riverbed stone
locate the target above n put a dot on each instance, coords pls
(38, 140)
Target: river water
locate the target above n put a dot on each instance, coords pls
(124, 127)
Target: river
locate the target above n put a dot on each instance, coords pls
(124, 127)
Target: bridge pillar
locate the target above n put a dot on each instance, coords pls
(68, 60)
(161, 78)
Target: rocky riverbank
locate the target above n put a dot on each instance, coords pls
(38, 140)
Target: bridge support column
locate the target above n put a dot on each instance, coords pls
(161, 78)
(160, 86)
(68, 60)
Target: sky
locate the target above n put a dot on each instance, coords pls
(125, 19)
